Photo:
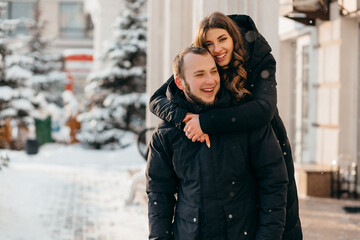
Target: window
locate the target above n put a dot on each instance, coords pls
(17, 10)
(73, 22)
(304, 135)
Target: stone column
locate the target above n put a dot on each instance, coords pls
(103, 14)
(169, 31)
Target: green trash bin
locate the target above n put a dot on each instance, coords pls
(43, 130)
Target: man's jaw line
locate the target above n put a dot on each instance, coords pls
(197, 100)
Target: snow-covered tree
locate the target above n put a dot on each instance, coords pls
(15, 96)
(30, 77)
(47, 69)
(117, 94)
(12, 77)
(6, 26)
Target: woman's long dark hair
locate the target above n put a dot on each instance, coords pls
(234, 74)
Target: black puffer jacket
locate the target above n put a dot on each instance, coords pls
(234, 190)
(260, 110)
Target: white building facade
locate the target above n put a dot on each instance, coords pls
(318, 83)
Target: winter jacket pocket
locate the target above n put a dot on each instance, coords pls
(242, 220)
(186, 223)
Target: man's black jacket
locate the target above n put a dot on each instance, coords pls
(234, 190)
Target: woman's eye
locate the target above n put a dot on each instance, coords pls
(223, 39)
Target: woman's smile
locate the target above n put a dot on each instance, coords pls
(220, 45)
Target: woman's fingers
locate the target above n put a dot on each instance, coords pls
(207, 140)
(192, 126)
(192, 136)
(195, 137)
(193, 130)
(188, 117)
(201, 139)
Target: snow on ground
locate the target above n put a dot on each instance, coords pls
(68, 192)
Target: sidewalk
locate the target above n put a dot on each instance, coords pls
(325, 219)
(70, 193)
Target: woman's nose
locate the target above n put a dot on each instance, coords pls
(216, 48)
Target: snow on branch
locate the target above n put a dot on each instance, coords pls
(136, 99)
(6, 93)
(16, 73)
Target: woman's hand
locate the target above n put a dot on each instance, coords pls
(193, 130)
(204, 138)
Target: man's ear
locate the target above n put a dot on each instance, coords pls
(178, 83)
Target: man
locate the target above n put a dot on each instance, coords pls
(234, 190)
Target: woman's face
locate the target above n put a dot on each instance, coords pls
(220, 45)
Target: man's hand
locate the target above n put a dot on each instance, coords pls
(193, 130)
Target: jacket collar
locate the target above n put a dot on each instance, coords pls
(255, 44)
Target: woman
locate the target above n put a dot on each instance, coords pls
(248, 71)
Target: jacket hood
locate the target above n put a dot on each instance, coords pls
(175, 95)
(255, 44)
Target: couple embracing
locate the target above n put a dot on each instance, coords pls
(220, 165)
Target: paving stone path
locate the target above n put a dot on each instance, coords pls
(325, 219)
(51, 201)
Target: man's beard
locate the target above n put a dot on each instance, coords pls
(193, 97)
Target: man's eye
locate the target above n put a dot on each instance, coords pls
(199, 75)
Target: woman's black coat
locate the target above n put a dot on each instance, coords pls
(261, 109)
(234, 190)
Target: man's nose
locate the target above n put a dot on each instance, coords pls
(210, 79)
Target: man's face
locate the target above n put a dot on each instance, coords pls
(202, 80)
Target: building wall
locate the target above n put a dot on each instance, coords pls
(349, 63)
(336, 100)
(328, 89)
(172, 24)
(334, 95)
(50, 13)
